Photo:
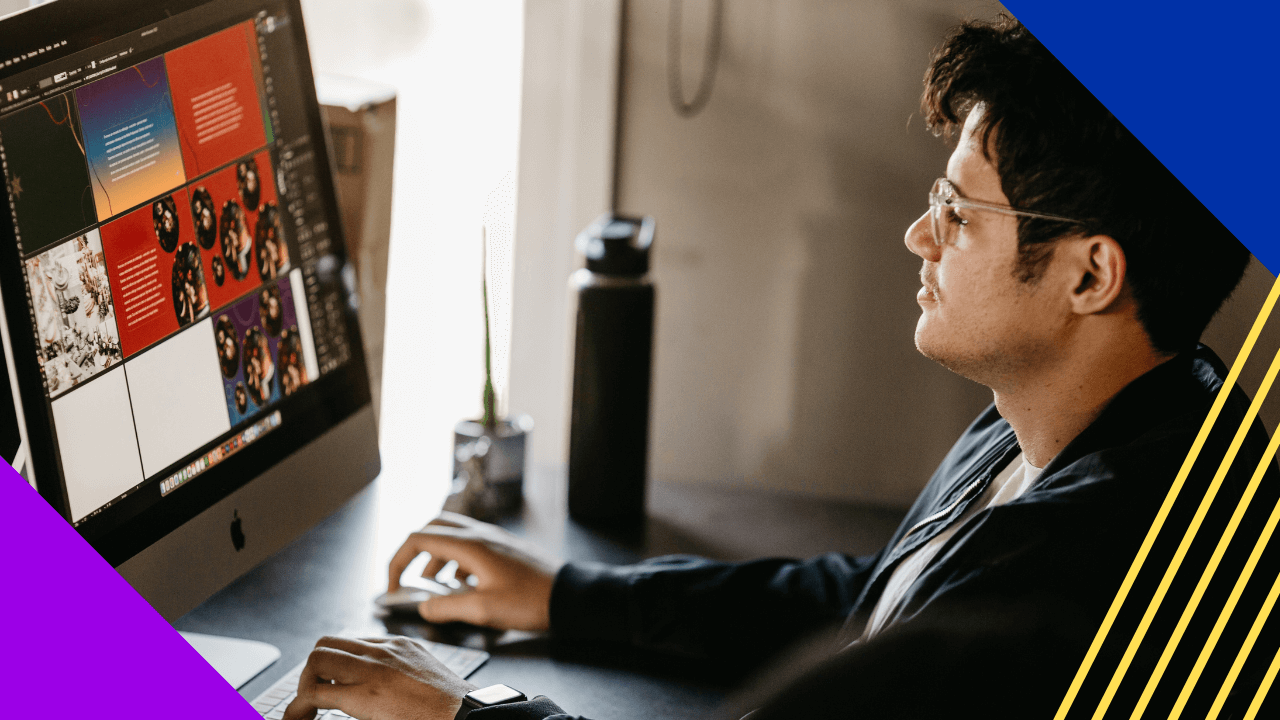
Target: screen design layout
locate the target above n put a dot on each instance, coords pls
(167, 296)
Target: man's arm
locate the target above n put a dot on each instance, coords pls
(735, 614)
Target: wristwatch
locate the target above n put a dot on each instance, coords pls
(488, 697)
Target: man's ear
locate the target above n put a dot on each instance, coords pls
(1097, 268)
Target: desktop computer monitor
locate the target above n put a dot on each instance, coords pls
(178, 311)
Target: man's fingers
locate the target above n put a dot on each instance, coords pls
(441, 542)
(300, 709)
(350, 646)
(464, 607)
(326, 663)
(324, 696)
(453, 519)
(398, 564)
(434, 567)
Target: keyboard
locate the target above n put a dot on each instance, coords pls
(271, 704)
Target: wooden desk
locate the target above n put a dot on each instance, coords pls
(324, 582)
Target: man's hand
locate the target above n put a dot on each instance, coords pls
(392, 679)
(512, 583)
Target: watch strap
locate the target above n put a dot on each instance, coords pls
(470, 703)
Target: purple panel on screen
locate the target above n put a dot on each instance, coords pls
(1195, 83)
(98, 651)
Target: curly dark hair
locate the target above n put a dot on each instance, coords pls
(231, 226)
(205, 215)
(1059, 151)
(164, 217)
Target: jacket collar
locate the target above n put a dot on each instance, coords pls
(1188, 380)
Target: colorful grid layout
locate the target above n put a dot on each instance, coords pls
(103, 149)
(158, 266)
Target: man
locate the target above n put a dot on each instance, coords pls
(1063, 268)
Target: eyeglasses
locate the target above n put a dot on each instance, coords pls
(943, 200)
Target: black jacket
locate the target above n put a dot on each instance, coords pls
(999, 621)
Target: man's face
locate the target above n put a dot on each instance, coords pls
(977, 319)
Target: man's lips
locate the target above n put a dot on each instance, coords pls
(927, 290)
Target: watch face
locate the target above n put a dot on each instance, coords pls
(495, 695)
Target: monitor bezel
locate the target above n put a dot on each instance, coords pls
(327, 401)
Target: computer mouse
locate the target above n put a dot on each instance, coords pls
(406, 598)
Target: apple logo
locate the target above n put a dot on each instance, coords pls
(237, 532)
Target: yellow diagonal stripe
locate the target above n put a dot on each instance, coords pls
(1188, 536)
(1218, 551)
(1244, 653)
(1261, 695)
(1167, 505)
(1229, 606)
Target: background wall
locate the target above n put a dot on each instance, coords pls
(785, 354)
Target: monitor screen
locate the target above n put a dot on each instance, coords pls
(177, 298)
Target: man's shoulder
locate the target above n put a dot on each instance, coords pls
(1155, 419)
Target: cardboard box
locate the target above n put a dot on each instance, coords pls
(360, 117)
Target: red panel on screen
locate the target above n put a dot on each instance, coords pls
(157, 276)
(237, 222)
(215, 98)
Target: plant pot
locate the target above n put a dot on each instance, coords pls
(488, 467)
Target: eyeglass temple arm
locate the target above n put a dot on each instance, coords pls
(966, 203)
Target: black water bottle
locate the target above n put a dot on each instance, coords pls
(613, 354)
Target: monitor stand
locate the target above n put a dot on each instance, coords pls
(237, 661)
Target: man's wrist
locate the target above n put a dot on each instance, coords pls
(491, 696)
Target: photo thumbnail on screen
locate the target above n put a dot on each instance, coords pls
(48, 179)
(215, 97)
(76, 328)
(260, 350)
(157, 272)
(131, 137)
(238, 228)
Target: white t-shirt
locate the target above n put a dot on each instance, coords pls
(1011, 483)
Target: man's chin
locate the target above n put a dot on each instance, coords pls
(934, 348)
(926, 340)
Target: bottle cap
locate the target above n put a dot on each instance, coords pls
(617, 245)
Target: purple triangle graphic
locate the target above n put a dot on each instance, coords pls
(79, 641)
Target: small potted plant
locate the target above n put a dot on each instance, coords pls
(488, 458)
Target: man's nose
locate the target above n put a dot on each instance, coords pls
(919, 239)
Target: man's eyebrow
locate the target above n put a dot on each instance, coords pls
(956, 186)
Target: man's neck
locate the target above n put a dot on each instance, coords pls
(1050, 408)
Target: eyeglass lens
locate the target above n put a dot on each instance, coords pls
(938, 197)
